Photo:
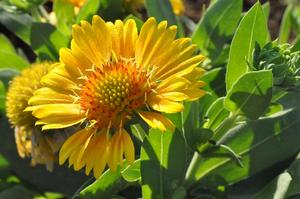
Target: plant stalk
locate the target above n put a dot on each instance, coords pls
(191, 174)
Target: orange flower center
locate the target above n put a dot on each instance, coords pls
(112, 92)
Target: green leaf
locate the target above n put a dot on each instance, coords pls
(64, 12)
(19, 24)
(111, 10)
(89, 9)
(6, 74)
(193, 120)
(261, 144)
(273, 108)
(286, 185)
(12, 60)
(296, 46)
(3, 162)
(250, 94)
(162, 10)
(104, 187)
(2, 100)
(253, 28)
(214, 80)
(6, 45)
(163, 163)
(277, 189)
(179, 193)
(132, 173)
(15, 192)
(217, 26)
(138, 131)
(290, 100)
(46, 41)
(285, 27)
(111, 182)
(266, 9)
(201, 136)
(216, 114)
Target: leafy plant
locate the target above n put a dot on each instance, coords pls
(245, 129)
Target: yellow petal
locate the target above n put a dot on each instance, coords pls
(165, 105)
(74, 59)
(49, 96)
(129, 39)
(59, 82)
(100, 155)
(79, 162)
(172, 84)
(154, 43)
(89, 157)
(72, 143)
(128, 147)
(96, 151)
(156, 120)
(115, 151)
(57, 110)
(194, 93)
(94, 40)
(173, 96)
(175, 68)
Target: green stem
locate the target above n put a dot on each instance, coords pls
(225, 126)
(191, 174)
(44, 13)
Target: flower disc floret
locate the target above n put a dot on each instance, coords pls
(114, 91)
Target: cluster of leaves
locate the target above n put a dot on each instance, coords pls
(244, 130)
(283, 60)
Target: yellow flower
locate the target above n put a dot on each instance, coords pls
(111, 74)
(29, 139)
(178, 6)
(41, 147)
(20, 90)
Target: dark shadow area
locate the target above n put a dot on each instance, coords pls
(62, 179)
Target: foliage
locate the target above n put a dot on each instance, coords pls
(245, 126)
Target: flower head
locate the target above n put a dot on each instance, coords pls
(111, 74)
(29, 139)
(21, 89)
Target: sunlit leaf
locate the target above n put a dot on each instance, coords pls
(216, 114)
(216, 26)
(253, 28)
(285, 27)
(163, 163)
(250, 94)
(261, 144)
(46, 41)
(64, 12)
(111, 182)
(6, 45)
(19, 24)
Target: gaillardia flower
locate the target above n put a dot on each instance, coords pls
(30, 141)
(178, 6)
(111, 74)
